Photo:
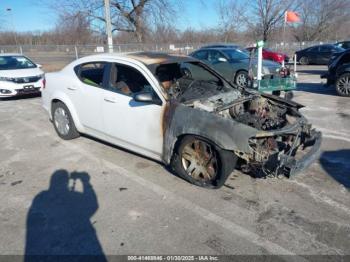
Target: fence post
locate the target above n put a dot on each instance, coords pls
(21, 50)
(76, 52)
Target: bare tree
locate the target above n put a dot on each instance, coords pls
(321, 19)
(73, 29)
(231, 18)
(267, 14)
(133, 16)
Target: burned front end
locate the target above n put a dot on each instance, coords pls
(284, 142)
(266, 132)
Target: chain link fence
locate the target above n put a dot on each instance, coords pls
(55, 57)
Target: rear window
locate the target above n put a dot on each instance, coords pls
(91, 73)
(201, 55)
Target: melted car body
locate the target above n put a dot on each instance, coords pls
(178, 110)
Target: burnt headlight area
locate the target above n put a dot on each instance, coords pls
(275, 155)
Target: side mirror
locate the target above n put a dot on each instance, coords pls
(39, 66)
(147, 97)
(222, 59)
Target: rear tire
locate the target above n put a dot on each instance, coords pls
(63, 121)
(242, 79)
(304, 60)
(342, 85)
(202, 163)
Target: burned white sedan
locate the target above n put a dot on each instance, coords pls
(177, 110)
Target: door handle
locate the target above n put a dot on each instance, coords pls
(109, 100)
(72, 88)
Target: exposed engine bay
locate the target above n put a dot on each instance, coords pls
(273, 154)
(255, 111)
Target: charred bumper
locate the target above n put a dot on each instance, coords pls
(289, 166)
(286, 152)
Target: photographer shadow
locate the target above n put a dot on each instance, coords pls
(58, 221)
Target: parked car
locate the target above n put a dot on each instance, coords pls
(319, 54)
(339, 73)
(233, 64)
(19, 76)
(344, 44)
(223, 45)
(269, 54)
(177, 110)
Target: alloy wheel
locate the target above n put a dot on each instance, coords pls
(61, 120)
(241, 80)
(343, 85)
(200, 161)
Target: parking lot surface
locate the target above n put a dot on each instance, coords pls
(122, 203)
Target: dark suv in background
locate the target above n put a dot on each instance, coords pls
(339, 73)
(320, 54)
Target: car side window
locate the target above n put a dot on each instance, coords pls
(91, 73)
(127, 80)
(201, 55)
(325, 48)
(214, 56)
(314, 49)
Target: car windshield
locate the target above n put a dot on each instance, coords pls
(236, 54)
(188, 80)
(15, 62)
(339, 49)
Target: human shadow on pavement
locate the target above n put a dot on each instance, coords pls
(337, 165)
(58, 221)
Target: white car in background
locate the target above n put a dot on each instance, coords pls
(19, 76)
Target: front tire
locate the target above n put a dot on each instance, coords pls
(342, 85)
(63, 122)
(202, 163)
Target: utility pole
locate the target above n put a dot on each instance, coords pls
(108, 26)
(12, 24)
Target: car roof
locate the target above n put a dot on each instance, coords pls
(218, 48)
(221, 45)
(149, 59)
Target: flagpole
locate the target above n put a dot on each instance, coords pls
(284, 33)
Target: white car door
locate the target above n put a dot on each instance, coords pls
(134, 125)
(87, 95)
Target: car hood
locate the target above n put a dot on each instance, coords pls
(21, 72)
